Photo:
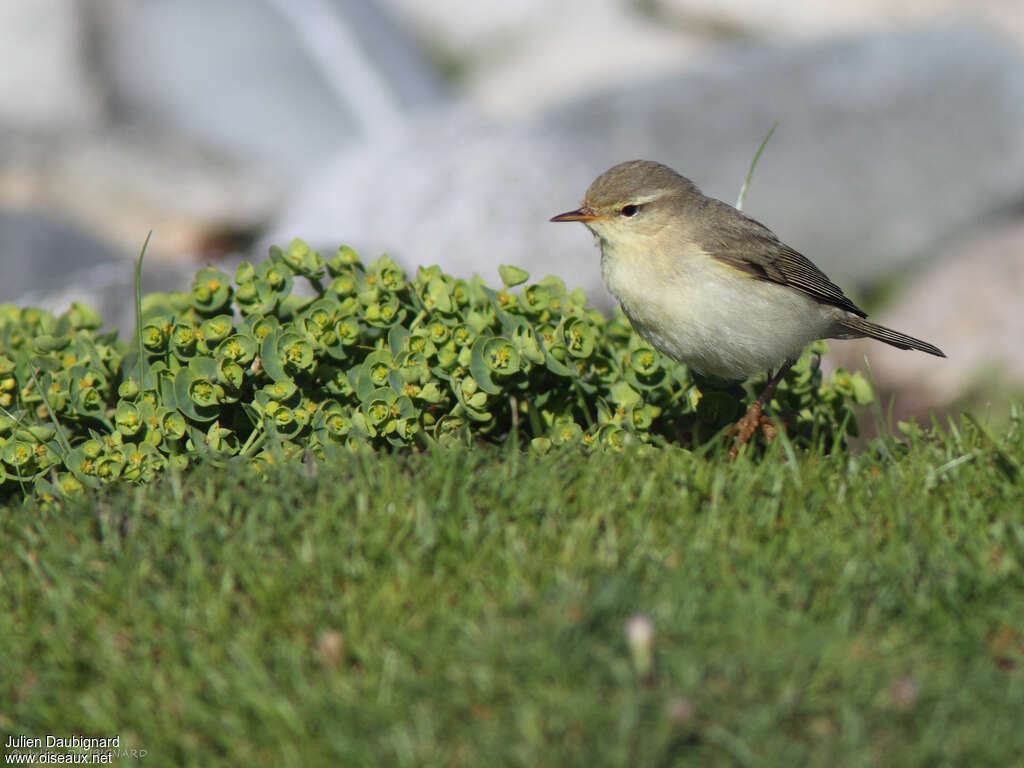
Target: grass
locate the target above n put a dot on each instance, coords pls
(468, 608)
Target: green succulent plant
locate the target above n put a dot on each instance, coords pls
(246, 371)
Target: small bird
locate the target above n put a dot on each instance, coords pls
(711, 287)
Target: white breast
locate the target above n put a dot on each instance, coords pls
(712, 317)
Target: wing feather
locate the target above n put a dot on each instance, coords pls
(747, 245)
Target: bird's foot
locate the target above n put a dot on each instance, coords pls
(747, 427)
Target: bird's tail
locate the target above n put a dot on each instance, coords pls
(858, 326)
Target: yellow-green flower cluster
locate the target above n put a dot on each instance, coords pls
(245, 370)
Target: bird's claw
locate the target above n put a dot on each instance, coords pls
(747, 427)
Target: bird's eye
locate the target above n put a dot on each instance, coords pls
(629, 210)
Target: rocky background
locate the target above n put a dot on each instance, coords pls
(449, 131)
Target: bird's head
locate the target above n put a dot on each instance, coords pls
(633, 201)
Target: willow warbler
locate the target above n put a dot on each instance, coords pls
(711, 287)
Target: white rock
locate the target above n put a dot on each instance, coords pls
(813, 18)
(44, 83)
(968, 303)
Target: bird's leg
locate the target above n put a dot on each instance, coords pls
(747, 426)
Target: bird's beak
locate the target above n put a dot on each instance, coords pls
(583, 213)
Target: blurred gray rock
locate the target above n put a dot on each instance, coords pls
(283, 82)
(124, 183)
(49, 263)
(35, 248)
(777, 18)
(886, 146)
(517, 56)
(44, 83)
(455, 191)
(969, 304)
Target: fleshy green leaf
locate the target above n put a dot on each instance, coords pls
(512, 276)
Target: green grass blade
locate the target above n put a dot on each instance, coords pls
(753, 165)
(138, 311)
